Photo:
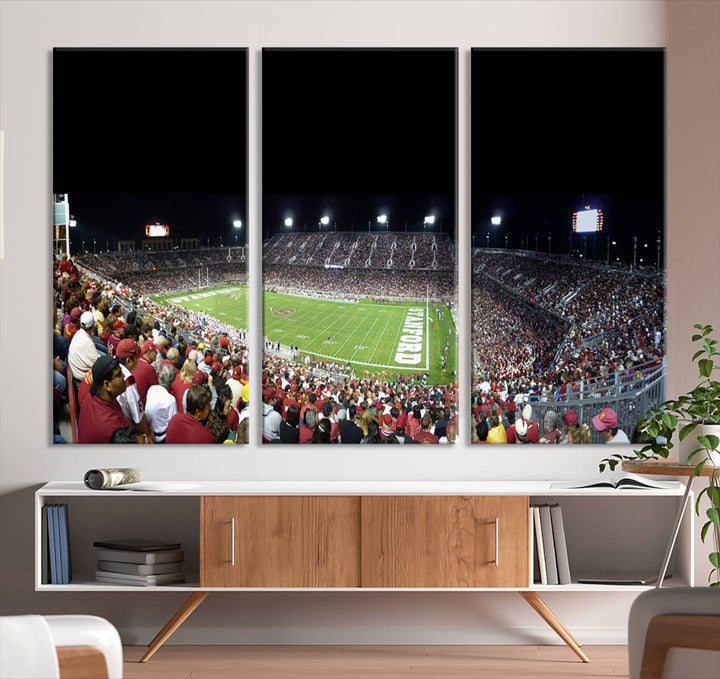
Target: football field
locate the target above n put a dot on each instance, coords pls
(228, 304)
(389, 337)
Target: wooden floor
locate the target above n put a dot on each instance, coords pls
(375, 662)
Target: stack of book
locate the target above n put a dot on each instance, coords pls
(56, 564)
(139, 562)
(552, 565)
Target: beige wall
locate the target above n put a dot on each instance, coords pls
(29, 30)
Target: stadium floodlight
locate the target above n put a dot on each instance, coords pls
(288, 221)
(237, 223)
(72, 222)
(496, 221)
(324, 220)
(430, 219)
(382, 219)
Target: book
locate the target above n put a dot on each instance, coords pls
(139, 568)
(534, 563)
(64, 532)
(45, 555)
(561, 552)
(127, 556)
(549, 545)
(540, 547)
(628, 482)
(137, 545)
(622, 579)
(142, 580)
(54, 532)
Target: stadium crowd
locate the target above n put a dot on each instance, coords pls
(361, 250)
(511, 420)
(168, 270)
(134, 371)
(552, 328)
(304, 404)
(349, 283)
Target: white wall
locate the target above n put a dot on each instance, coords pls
(29, 30)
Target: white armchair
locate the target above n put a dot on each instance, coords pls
(59, 647)
(674, 633)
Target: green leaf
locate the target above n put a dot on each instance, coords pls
(713, 493)
(699, 467)
(670, 421)
(697, 354)
(713, 441)
(715, 559)
(714, 516)
(694, 454)
(687, 429)
(706, 367)
(695, 338)
(704, 530)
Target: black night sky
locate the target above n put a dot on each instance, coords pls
(141, 136)
(555, 130)
(151, 135)
(352, 134)
(107, 218)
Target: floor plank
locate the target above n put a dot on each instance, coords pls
(375, 662)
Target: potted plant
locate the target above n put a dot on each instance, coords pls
(699, 408)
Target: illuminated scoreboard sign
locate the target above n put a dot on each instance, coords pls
(157, 230)
(587, 221)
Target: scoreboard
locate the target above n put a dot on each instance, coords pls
(587, 221)
(157, 230)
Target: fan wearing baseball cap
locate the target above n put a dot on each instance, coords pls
(128, 353)
(82, 352)
(101, 414)
(606, 424)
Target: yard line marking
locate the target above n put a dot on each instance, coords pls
(414, 368)
(363, 339)
(380, 336)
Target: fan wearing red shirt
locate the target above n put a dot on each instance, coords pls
(144, 372)
(101, 415)
(187, 427)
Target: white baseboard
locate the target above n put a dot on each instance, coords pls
(376, 636)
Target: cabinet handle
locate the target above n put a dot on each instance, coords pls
(232, 542)
(497, 542)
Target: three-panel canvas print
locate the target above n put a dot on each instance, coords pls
(359, 220)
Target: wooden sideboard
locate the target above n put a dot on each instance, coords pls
(355, 536)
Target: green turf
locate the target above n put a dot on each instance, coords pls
(229, 304)
(367, 335)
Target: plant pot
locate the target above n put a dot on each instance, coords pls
(691, 443)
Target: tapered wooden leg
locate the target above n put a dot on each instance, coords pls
(546, 613)
(181, 615)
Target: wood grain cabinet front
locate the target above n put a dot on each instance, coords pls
(445, 541)
(288, 541)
